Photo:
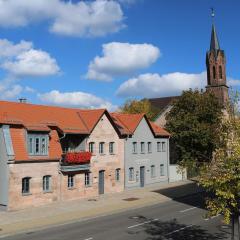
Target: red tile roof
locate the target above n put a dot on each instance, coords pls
(127, 124)
(45, 119)
(39, 117)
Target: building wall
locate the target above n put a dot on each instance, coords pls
(105, 132)
(35, 171)
(3, 171)
(132, 160)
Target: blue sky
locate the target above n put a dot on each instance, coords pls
(99, 53)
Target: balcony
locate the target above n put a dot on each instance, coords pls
(75, 161)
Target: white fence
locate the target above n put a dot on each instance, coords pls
(175, 175)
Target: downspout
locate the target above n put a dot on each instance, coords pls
(168, 161)
(59, 171)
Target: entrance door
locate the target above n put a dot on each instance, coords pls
(142, 176)
(101, 182)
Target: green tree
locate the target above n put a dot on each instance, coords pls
(142, 106)
(194, 123)
(221, 177)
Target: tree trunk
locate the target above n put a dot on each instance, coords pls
(233, 223)
(238, 220)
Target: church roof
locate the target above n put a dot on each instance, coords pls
(162, 103)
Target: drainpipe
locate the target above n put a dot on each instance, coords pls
(168, 160)
(59, 171)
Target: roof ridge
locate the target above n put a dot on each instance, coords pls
(83, 121)
(122, 122)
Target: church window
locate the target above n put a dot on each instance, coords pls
(220, 72)
(214, 72)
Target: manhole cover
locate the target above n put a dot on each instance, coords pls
(130, 199)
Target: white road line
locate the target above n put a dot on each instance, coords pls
(88, 238)
(140, 224)
(178, 230)
(188, 209)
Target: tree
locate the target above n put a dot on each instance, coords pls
(193, 123)
(221, 177)
(142, 106)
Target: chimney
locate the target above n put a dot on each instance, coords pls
(22, 100)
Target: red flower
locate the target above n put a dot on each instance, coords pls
(77, 157)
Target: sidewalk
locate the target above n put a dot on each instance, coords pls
(66, 212)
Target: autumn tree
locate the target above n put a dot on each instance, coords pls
(140, 106)
(221, 177)
(193, 123)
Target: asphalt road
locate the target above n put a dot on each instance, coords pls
(181, 219)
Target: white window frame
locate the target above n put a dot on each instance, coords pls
(134, 145)
(26, 185)
(71, 181)
(149, 147)
(164, 149)
(87, 179)
(153, 171)
(101, 148)
(111, 147)
(91, 147)
(42, 139)
(159, 146)
(131, 174)
(47, 182)
(142, 144)
(117, 174)
(162, 170)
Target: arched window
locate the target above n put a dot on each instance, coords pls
(214, 72)
(220, 72)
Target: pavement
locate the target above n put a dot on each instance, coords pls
(72, 212)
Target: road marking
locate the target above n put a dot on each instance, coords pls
(178, 230)
(188, 209)
(140, 224)
(206, 219)
(88, 238)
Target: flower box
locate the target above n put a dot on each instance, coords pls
(77, 157)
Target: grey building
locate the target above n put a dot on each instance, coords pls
(146, 150)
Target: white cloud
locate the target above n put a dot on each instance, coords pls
(33, 63)
(84, 18)
(79, 99)
(9, 49)
(120, 59)
(154, 85)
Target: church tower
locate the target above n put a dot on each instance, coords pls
(216, 69)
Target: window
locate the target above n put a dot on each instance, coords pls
(101, 147)
(220, 72)
(26, 185)
(134, 147)
(163, 146)
(38, 144)
(47, 183)
(91, 147)
(117, 174)
(70, 181)
(87, 179)
(142, 147)
(111, 147)
(153, 171)
(214, 72)
(149, 147)
(158, 146)
(162, 170)
(131, 174)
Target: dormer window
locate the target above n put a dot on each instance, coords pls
(37, 144)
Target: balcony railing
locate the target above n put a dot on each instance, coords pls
(75, 161)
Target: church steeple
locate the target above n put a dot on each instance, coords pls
(216, 68)
(214, 45)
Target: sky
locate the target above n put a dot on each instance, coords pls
(99, 53)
